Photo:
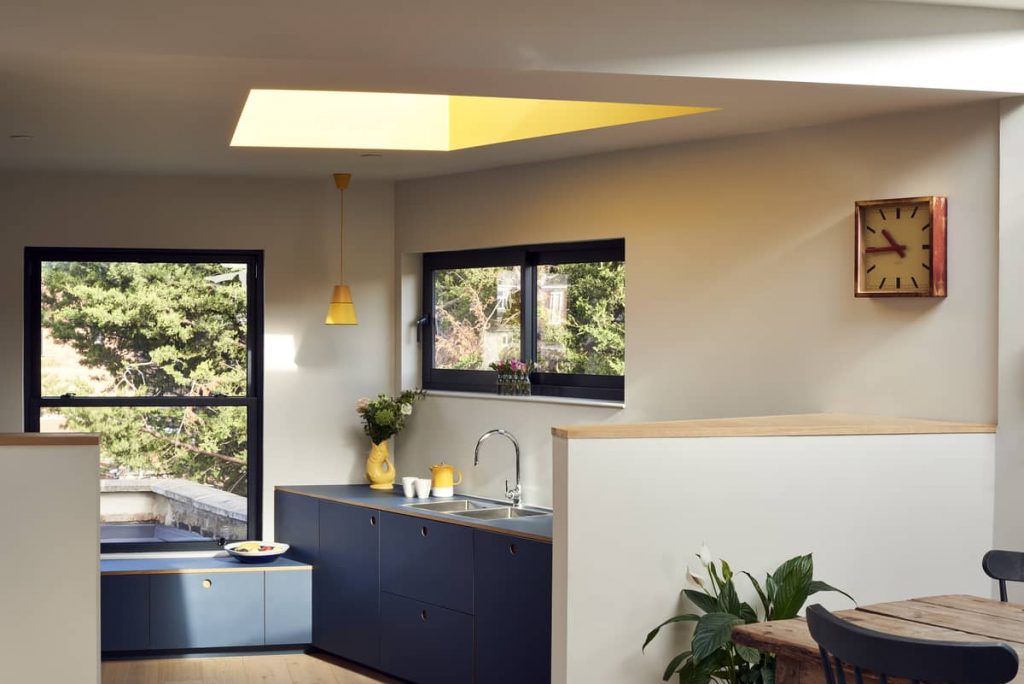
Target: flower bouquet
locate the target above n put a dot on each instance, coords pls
(513, 377)
(383, 418)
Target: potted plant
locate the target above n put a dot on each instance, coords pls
(383, 418)
(713, 655)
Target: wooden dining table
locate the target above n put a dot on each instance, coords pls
(940, 618)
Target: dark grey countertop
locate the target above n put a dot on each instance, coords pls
(537, 528)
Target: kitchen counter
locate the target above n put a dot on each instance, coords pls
(537, 528)
(164, 566)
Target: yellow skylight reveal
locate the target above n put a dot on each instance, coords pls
(399, 121)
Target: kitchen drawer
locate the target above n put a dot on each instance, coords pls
(426, 560)
(513, 609)
(289, 607)
(424, 643)
(124, 601)
(206, 610)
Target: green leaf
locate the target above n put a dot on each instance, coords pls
(750, 655)
(728, 601)
(792, 584)
(760, 592)
(748, 614)
(714, 631)
(726, 570)
(709, 604)
(687, 617)
(716, 580)
(768, 674)
(673, 665)
(818, 585)
(691, 674)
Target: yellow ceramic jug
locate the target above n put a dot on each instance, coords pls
(444, 477)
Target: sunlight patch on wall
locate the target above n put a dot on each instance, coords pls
(403, 121)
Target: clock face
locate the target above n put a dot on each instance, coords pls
(901, 247)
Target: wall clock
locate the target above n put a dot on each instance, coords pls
(901, 247)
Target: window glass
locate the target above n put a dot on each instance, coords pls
(176, 474)
(143, 329)
(476, 316)
(581, 318)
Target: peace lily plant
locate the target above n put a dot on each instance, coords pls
(713, 655)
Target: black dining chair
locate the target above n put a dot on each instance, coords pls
(846, 645)
(1005, 566)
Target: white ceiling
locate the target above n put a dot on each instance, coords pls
(139, 86)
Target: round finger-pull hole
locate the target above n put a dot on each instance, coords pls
(207, 583)
(423, 531)
(423, 615)
(373, 521)
(513, 549)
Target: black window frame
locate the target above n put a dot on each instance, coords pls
(252, 400)
(527, 258)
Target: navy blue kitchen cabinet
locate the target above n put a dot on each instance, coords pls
(295, 523)
(512, 587)
(198, 610)
(426, 644)
(427, 561)
(124, 605)
(346, 584)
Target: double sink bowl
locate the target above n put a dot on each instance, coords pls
(475, 510)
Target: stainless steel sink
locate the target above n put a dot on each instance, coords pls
(452, 506)
(500, 513)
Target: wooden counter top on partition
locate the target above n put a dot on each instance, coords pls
(48, 439)
(800, 425)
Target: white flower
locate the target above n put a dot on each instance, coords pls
(704, 555)
(694, 578)
(406, 409)
(362, 404)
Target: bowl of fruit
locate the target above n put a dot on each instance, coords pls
(255, 551)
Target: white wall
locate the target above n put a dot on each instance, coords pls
(1009, 532)
(311, 431)
(886, 517)
(739, 258)
(49, 565)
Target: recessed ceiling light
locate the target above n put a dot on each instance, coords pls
(405, 121)
(21, 136)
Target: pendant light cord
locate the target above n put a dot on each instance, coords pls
(341, 180)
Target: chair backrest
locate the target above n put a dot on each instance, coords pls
(1004, 566)
(863, 650)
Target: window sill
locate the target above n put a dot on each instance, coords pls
(537, 399)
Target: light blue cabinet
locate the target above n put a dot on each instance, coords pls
(288, 608)
(197, 610)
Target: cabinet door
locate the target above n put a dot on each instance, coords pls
(426, 644)
(289, 607)
(296, 523)
(513, 609)
(214, 610)
(346, 587)
(427, 561)
(124, 612)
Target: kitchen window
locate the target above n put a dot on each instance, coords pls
(560, 306)
(160, 353)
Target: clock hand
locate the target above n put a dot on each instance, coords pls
(894, 246)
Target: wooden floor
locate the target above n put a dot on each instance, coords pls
(255, 669)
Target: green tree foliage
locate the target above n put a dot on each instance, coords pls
(466, 309)
(157, 329)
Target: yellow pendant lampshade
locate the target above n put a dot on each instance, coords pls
(341, 311)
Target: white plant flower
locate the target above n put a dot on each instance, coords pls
(694, 579)
(406, 409)
(362, 404)
(705, 557)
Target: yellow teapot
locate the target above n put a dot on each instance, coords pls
(443, 479)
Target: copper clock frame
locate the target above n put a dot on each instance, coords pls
(937, 210)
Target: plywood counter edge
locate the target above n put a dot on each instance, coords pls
(251, 567)
(48, 439)
(806, 425)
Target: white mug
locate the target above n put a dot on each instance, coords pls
(409, 486)
(423, 487)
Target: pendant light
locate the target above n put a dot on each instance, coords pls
(341, 310)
